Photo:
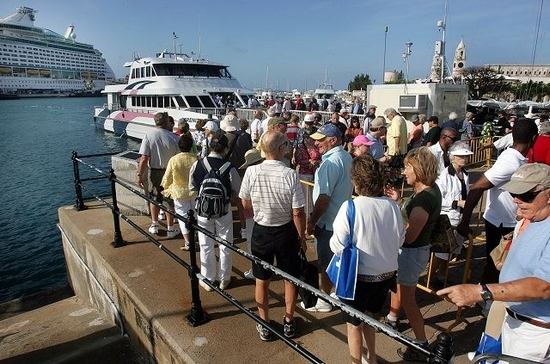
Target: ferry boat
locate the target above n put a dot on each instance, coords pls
(37, 61)
(183, 86)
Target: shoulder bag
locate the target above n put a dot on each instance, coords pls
(443, 239)
(309, 273)
(342, 269)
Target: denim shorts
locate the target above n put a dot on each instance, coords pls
(322, 245)
(412, 262)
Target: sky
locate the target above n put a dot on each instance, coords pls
(287, 45)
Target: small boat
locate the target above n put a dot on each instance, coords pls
(185, 87)
(324, 89)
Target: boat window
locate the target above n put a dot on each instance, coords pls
(148, 101)
(148, 72)
(154, 101)
(193, 101)
(181, 102)
(207, 101)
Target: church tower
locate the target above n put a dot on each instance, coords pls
(459, 62)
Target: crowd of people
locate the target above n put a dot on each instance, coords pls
(353, 156)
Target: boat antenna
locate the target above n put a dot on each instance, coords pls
(175, 38)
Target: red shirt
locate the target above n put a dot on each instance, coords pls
(540, 153)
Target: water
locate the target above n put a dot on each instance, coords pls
(38, 137)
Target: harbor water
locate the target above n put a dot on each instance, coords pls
(38, 137)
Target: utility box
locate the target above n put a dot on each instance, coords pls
(125, 166)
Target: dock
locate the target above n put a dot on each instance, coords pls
(136, 297)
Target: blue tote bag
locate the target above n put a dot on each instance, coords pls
(342, 269)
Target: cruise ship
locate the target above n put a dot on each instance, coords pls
(38, 61)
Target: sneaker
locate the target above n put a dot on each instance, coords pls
(162, 215)
(172, 232)
(154, 228)
(265, 334)
(249, 274)
(289, 328)
(225, 283)
(333, 295)
(243, 234)
(206, 287)
(321, 306)
(386, 321)
(185, 246)
(412, 355)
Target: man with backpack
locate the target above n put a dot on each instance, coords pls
(216, 180)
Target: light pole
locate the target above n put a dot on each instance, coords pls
(406, 56)
(384, 64)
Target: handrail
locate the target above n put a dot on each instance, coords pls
(441, 352)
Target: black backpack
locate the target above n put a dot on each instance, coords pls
(212, 200)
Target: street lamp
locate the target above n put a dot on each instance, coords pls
(406, 56)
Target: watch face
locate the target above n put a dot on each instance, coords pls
(485, 293)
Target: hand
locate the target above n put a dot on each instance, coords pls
(392, 193)
(310, 228)
(140, 180)
(462, 295)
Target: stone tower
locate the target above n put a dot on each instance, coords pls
(459, 62)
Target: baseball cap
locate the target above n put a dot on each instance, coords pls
(276, 120)
(211, 125)
(362, 140)
(433, 118)
(414, 118)
(309, 118)
(527, 177)
(328, 130)
(377, 123)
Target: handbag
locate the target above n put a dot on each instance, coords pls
(443, 239)
(342, 269)
(500, 252)
(309, 273)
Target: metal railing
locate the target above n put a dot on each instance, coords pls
(440, 352)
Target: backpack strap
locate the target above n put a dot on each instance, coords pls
(206, 164)
(224, 168)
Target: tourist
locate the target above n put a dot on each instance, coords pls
(352, 131)
(467, 128)
(361, 145)
(421, 211)
(306, 159)
(540, 152)
(157, 147)
(440, 149)
(198, 135)
(454, 184)
(500, 210)
(335, 119)
(211, 130)
(379, 232)
(525, 276)
(451, 123)
(256, 127)
(332, 187)
(432, 136)
(272, 194)
(369, 117)
(175, 182)
(417, 132)
(222, 226)
(396, 137)
(293, 128)
(376, 132)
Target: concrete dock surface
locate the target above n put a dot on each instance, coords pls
(151, 292)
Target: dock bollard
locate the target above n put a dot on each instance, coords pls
(442, 352)
(197, 316)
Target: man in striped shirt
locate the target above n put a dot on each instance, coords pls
(272, 194)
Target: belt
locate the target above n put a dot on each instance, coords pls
(529, 320)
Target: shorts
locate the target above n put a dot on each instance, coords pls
(155, 188)
(322, 245)
(276, 242)
(412, 262)
(369, 297)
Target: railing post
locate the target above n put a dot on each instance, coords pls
(79, 203)
(118, 241)
(442, 352)
(197, 316)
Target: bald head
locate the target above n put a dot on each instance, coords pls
(272, 141)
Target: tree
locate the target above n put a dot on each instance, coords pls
(483, 81)
(360, 82)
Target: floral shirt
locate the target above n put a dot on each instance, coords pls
(307, 159)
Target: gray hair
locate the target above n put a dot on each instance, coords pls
(390, 110)
(544, 128)
(453, 116)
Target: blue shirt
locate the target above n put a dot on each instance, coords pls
(529, 256)
(332, 178)
(377, 149)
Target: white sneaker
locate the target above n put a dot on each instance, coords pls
(321, 306)
(333, 295)
(162, 215)
(172, 232)
(225, 283)
(249, 274)
(205, 286)
(185, 246)
(154, 228)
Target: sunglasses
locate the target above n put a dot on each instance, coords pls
(527, 196)
(450, 137)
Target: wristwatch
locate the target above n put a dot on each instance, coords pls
(485, 293)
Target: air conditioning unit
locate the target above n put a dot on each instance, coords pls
(413, 103)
